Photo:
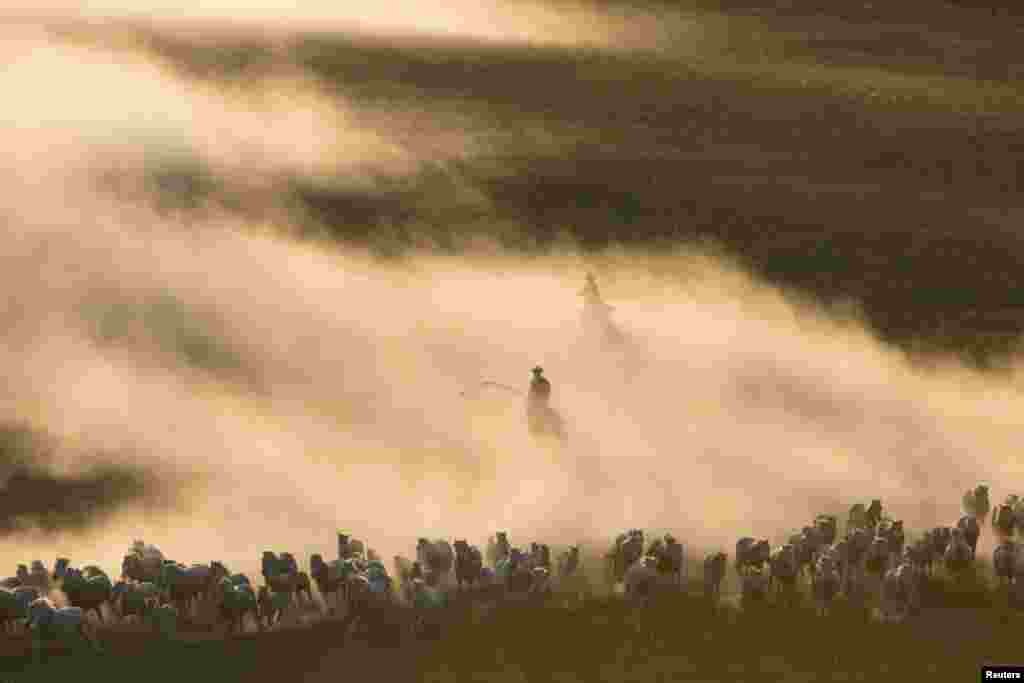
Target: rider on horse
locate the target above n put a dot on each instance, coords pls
(590, 292)
(540, 387)
(592, 301)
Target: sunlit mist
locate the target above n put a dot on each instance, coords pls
(278, 390)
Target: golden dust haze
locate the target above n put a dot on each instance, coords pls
(346, 392)
(567, 22)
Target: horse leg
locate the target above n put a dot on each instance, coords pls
(228, 620)
(87, 638)
(184, 605)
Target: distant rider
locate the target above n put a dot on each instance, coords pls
(590, 293)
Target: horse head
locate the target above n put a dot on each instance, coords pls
(60, 567)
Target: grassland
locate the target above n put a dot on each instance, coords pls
(601, 638)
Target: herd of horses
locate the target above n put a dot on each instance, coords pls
(874, 564)
(871, 563)
(69, 604)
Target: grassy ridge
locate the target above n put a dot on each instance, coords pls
(794, 139)
(174, 328)
(36, 495)
(679, 638)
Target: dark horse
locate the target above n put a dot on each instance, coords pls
(469, 563)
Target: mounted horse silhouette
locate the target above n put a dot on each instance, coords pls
(597, 319)
(542, 419)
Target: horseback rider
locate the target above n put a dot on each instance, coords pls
(541, 418)
(590, 292)
(540, 387)
(593, 304)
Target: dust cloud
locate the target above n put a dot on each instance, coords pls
(270, 391)
(569, 23)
